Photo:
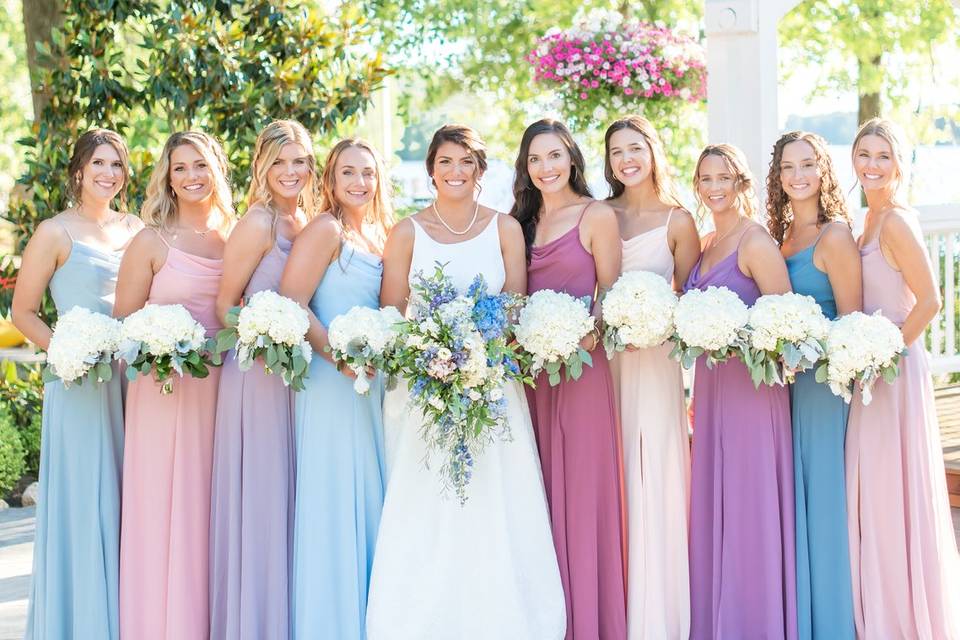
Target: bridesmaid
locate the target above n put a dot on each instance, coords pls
(742, 564)
(903, 556)
(658, 235)
(168, 455)
(251, 515)
(807, 215)
(77, 253)
(573, 246)
(335, 265)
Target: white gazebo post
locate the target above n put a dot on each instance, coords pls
(742, 75)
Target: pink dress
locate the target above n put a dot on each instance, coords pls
(656, 464)
(575, 424)
(166, 477)
(903, 556)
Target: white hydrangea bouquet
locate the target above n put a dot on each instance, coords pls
(860, 349)
(164, 338)
(550, 328)
(273, 327)
(638, 312)
(711, 322)
(82, 346)
(787, 335)
(456, 356)
(364, 337)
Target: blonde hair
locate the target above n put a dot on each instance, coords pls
(269, 144)
(160, 205)
(381, 211)
(746, 201)
(831, 204)
(659, 167)
(891, 132)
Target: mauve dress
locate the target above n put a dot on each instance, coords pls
(903, 555)
(251, 511)
(168, 454)
(742, 557)
(575, 424)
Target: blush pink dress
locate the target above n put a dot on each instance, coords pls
(168, 455)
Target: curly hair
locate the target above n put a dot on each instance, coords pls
(746, 201)
(831, 205)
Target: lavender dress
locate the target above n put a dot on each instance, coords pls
(575, 424)
(251, 511)
(742, 561)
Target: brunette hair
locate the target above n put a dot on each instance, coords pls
(527, 198)
(83, 150)
(659, 167)
(160, 205)
(460, 134)
(737, 164)
(831, 204)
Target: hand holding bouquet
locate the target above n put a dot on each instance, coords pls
(860, 349)
(787, 335)
(550, 329)
(164, 339)
(273, 327)
(638, 312)
(82, 346)
(711, 322)
(362, 338)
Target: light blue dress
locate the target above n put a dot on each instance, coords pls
(76, 553)
(824, 600)
(340, 472)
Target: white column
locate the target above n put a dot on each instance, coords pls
(742, 75)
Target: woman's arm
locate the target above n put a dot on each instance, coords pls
(760, 259)
(250, 240)
(47, 250)
(312, 253)
(840, 259)
(141, 261)
(903, 241)
(397, 256)
(514, 251)
(684, 242)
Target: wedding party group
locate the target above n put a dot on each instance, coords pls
(319, 422)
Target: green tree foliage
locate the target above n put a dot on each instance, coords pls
(149, 67)
(15, 99)
(852, 41)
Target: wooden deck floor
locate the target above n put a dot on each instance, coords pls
(948, 414)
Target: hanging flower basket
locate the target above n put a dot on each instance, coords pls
(605, 66)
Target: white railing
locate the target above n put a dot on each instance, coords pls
(941, 229)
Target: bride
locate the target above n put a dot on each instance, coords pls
(487, 569)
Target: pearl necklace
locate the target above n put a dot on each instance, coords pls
(476, 210)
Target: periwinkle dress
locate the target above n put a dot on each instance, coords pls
(340, 471)
(903, 554)
(656, 463)
(824, 600)
(575, 424)
(742, 555)
(76, 554)
(252, 494)
(164, 547)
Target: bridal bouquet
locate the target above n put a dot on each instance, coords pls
(82, 345)
(550, 329)
(638, 312)
(711, 322)
(273, 327)
(164, 339)
(456, 358)
(364, 337)
(860, 349)
(787, 334)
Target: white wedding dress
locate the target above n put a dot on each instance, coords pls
(486, 570)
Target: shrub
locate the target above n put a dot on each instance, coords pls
(12, 463)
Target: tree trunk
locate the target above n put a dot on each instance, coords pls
(869, 103)
(40, 18)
